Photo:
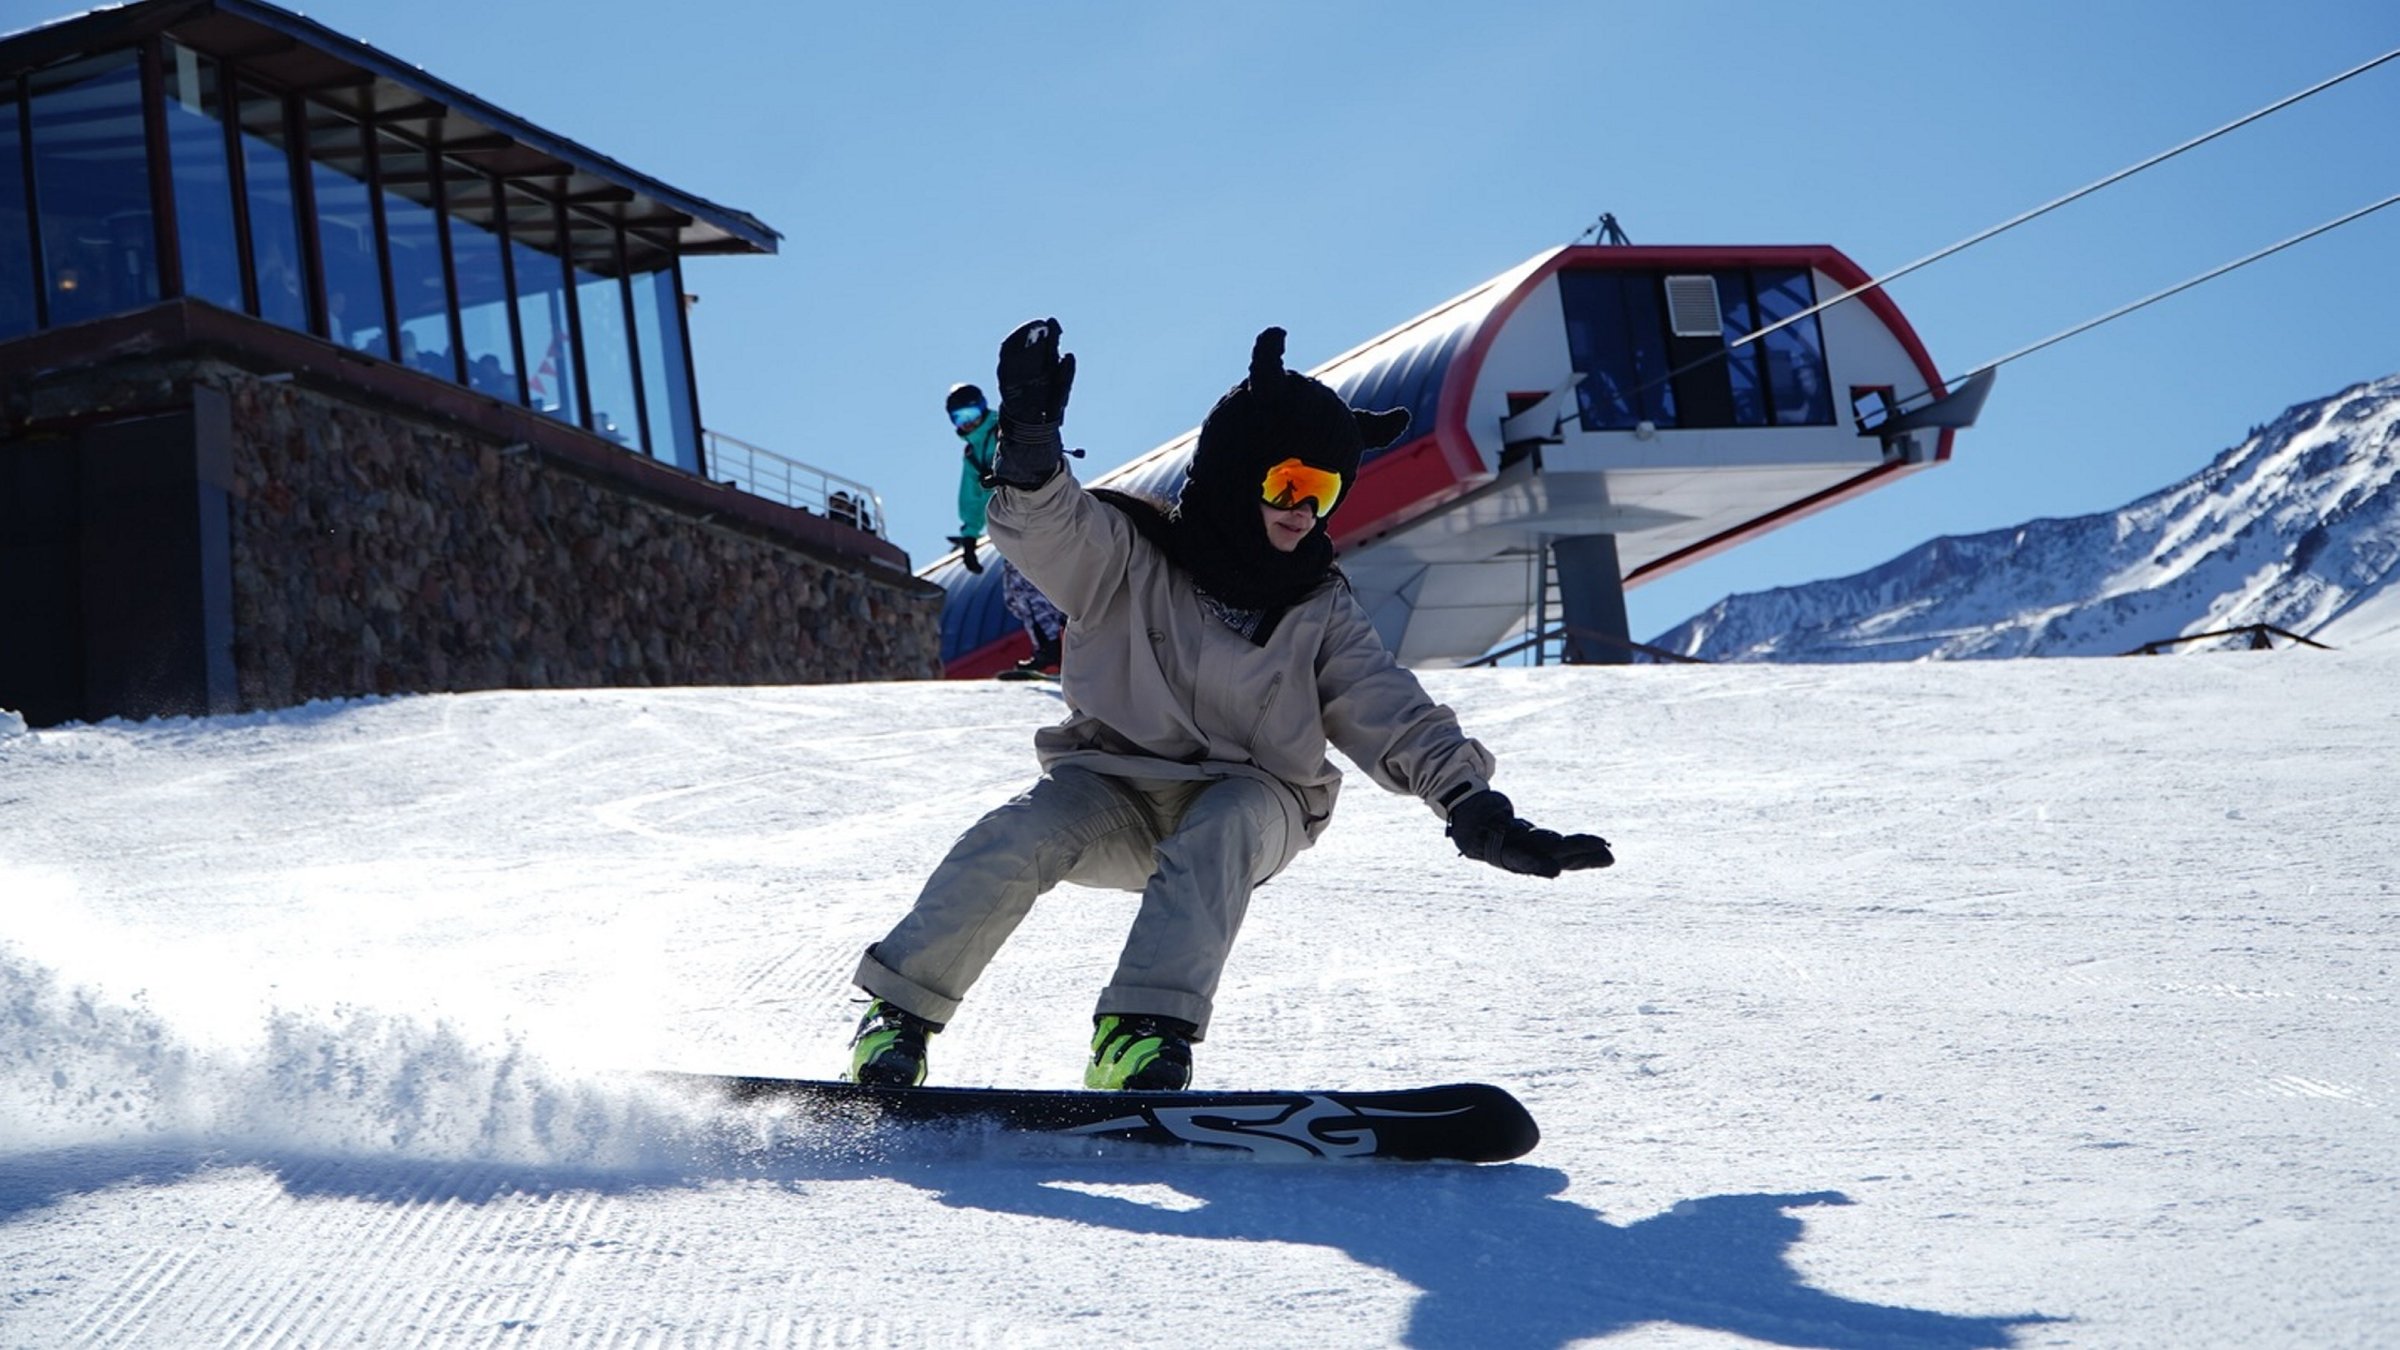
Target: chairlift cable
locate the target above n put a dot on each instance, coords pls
(2078, 194)
(1970, 241)
(2154, 297)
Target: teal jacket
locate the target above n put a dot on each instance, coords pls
(976, 456)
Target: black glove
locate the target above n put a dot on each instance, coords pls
(1034, 383)
(1486, 828)
(966, 552)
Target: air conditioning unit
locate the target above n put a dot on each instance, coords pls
(1692, 308)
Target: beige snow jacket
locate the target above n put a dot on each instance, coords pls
(1158, 688)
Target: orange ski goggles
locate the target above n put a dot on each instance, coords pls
(1290, 483)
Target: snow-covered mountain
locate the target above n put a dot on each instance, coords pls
(2297, 527)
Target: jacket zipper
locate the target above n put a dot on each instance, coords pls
(1265, 701)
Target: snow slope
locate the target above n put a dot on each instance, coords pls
(2297, 527)
(1979, 1004)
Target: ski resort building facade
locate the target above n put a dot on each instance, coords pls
(1595, 417)
(321, 377)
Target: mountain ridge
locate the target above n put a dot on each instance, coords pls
(2297, 527)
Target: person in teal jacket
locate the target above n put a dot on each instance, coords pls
(971, 417)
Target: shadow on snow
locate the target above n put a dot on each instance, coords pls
(1497, 1257)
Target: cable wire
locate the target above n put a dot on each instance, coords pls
(2078, 194)
(2154, 297)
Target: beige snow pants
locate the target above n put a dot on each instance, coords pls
(1195, 849)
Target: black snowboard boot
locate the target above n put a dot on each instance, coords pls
(1140, 1053)
(1044, 660)
(889, 1049)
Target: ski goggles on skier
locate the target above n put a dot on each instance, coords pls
(967, 416)
(1290, 483)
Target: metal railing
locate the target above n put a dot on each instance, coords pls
(1533, 642)
(780, 478)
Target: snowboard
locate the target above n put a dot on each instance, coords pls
(1457, 1122)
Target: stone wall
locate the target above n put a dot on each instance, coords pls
(371, 555)
(394, 536)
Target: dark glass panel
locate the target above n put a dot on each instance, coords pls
(17, 271)
(1742, 363)
(275, 257)
(541, 277)
(666, 388)
(475, 260)
(1795, 355)
(1645, 338)
(607, 348)
(1617, 341)
(420, 290)
(91, 170)
(203, 175)
(337, 168)
(1871, 406)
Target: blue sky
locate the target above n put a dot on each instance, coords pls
(1169, 178)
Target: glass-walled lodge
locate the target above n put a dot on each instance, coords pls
(354, 209)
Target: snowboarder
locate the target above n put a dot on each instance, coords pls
(1217, 652)
(972, 419)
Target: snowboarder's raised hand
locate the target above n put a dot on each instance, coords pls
(966, 552)
(1034, 383)
(1486, 827)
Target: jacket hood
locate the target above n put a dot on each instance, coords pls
(1274, 414)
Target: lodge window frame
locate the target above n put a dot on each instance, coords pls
(633, 336)
(29, 183)
(372, 149)
(161, 166)
(511, 300)
(294, 104)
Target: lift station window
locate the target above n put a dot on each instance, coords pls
(1667, 349)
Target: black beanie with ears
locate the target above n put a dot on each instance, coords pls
(1271, 416)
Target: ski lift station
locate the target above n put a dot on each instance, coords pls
(1594, 417)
